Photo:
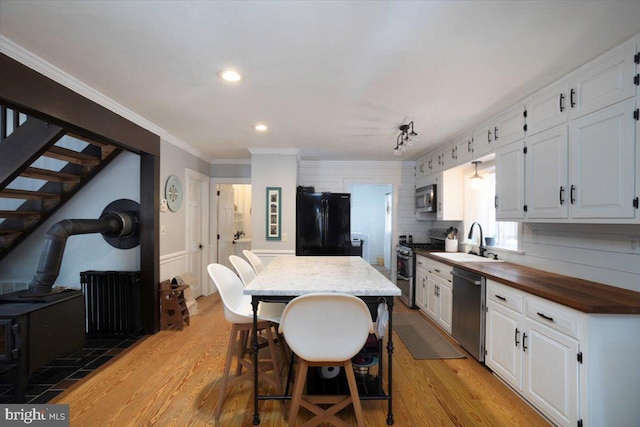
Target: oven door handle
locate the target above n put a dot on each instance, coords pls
(405, 257)
(402, 276)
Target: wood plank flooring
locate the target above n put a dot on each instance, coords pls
(172, 379)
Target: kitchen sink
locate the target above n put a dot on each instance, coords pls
(463, 257)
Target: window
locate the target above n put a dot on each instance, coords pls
(479, 207)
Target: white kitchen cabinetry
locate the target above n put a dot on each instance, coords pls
(439, 294)
(510, 187)
(587, 172)
(547, 174)
(449, 190)
(448, 157)
(483, 140)
(548, 107)
(572, 366)
(602, 163)
(596, 85)
(422, 167)
(421, 282)
(464, 149)
(509, 126)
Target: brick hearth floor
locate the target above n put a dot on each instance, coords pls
(60, 374)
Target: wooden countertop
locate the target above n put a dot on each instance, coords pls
(582, 295)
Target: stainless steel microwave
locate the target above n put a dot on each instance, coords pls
(426, 198)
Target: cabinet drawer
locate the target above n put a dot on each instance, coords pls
(421, 263)
(442, 270)
(558, 317)
(505, 296)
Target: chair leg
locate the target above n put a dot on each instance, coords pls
(227, 367)
(301, 379)
(353, 389)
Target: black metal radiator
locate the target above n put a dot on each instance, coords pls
(112, 303)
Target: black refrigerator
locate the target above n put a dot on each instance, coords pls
(323, 223)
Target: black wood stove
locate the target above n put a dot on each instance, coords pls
(44, 322)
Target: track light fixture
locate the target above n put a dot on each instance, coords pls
(405, 138)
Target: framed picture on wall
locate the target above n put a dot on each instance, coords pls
(273, 213)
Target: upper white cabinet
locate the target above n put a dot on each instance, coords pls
(548, 107)
(483, 140)
(602, 163)
(450, 195)
(603, 82)
(510, 185)
(509, 126)
(547, 174)
(464, 149)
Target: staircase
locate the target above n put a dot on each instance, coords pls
(41, 167)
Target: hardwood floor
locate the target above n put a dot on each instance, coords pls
(172, 379)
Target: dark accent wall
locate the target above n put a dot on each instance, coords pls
(36, 95)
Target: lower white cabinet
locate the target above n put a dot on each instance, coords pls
(421, 282)
(439, 294)
(572, 366)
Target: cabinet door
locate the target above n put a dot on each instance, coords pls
(483, 141)
(548, 108)
(551, 372)
(421, 290)
(445, 299)
(605, 81)
(603, 163)
(464, 151)
(504, 344)
(510, 181)
(547, 174)
(421, 168)
(431, 307)
(509, 127)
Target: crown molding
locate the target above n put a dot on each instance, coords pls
(280, 151)
(230, 162)
(31, 60)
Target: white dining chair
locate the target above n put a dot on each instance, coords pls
(243, 268)
(254, 260)
(238, 311)
(325, 329)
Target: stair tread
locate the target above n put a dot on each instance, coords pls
(49, 175)
(19, 214)
(26, 194)
(71, 156)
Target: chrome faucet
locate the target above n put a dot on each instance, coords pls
(481, 247)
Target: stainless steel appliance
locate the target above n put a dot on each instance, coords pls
(406, 263)
(468, 318)
(426, 198)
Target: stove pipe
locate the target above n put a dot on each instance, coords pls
(112, 225)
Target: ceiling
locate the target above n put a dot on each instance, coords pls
(333, 79)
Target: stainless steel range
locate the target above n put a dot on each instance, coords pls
(406, 263)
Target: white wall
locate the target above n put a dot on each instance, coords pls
(273, 170)
(119, 180)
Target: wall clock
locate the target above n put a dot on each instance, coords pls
(173, 193)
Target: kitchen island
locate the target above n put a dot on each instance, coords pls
(287, 277)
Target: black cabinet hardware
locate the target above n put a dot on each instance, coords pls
(571, 101)
(516, 337)
(488, 136)
(544, 316)
(561, 195)
(495, 202)
(635, 203)
(573, 189)
(524, 342)
(495, 133)
(500, 297)
(561, 103)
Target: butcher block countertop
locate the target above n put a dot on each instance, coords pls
(582, 295)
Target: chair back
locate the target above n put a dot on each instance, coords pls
(255, 261)
(243, 268)
(326, 327)
(237, 306)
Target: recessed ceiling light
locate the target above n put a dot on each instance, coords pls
(230, 76)
(261, 127)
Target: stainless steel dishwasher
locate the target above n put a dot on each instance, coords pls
(468, 317)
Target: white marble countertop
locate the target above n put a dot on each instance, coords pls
(293, 275)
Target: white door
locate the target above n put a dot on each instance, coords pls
(225, 223)
(548, 108)
(504, 335)
(197, 230)
(445, 299)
